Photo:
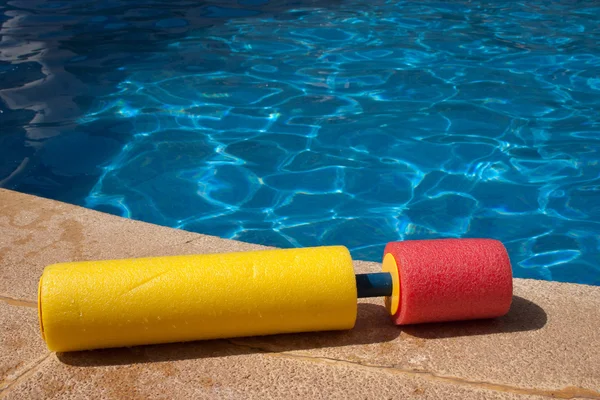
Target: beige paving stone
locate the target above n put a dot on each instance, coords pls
(220, 370)
(540, 344)
(548, 346)
(36, 232)
(21, 347)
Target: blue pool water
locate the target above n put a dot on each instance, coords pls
(302, 123)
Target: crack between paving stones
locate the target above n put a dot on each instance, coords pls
(18, 302)
(570, 392)
(23, 376)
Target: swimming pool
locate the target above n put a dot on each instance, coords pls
(307, 123)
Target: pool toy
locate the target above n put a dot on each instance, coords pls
(118, 303)
(448, 280)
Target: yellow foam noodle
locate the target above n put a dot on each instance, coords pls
(115, 303)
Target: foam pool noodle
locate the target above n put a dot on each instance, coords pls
(448, 280)
(114, 303)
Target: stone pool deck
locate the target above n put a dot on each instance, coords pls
(548, 346)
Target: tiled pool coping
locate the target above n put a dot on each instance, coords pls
(548, 345)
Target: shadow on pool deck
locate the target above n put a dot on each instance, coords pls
(372, 326)
(524, 315)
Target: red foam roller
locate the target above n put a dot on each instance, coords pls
(451, 279)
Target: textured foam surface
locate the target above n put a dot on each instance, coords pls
(451, 279)
(115, 303)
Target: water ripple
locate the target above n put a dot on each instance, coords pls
(352, 123)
